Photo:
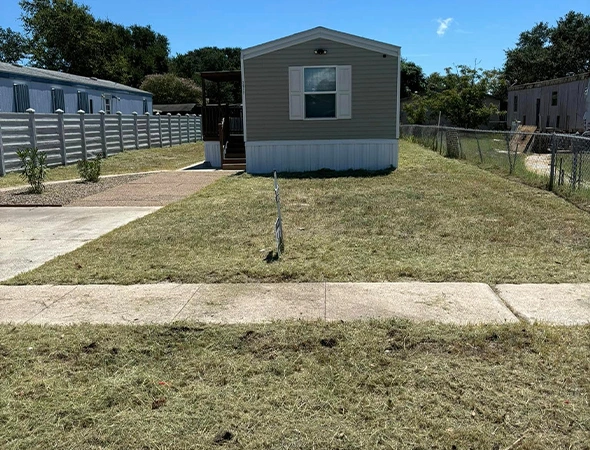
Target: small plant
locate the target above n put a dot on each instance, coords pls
(34, 168)
(89, 170)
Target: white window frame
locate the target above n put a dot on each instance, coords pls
(107, 98)
(306, 93)
(298, 93)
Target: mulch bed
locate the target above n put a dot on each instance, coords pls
(60, 194)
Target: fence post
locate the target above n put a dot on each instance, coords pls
(121, 145)
(169, 130)
(148, 129)
(62, 136)
(32, 127)
(135, 130)
(160, 129)
(553, 156)
(2, 165)
(179, 129)
(103, 133)
(478, 148)
(188, 128)
(83, 135)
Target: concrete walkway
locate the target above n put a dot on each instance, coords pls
(30, 237)
(457, 303)
(157, 189)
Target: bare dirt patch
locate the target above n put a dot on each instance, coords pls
(538, 163)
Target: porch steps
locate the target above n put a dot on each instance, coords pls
(235, 156)
(233, 166)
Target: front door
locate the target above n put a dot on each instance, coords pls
(538, 114)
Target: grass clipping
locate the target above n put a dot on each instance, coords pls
(377, 385)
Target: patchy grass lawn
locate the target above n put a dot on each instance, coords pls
(433, 219)
(374, 385)
(131, 161)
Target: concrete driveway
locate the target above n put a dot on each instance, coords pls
(30, 237)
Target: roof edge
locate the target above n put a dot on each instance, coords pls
(46, 75)
(319, 33)
(552, 82)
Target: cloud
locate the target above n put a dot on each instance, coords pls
(443, 24)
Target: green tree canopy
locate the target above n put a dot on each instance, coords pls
(13, 46)
(208, 59)
(64, 36)
(190, 64)
(460, 95)
(546, 52)
(170, 89)
(413, 80)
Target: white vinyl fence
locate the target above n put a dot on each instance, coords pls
(67, 138)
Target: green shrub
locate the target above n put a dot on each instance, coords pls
(89, 170)
(34, 168)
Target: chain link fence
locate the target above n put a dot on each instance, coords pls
(557, 162)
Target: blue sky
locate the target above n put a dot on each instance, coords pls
(434, 34)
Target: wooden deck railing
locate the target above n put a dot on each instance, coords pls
(212, 116)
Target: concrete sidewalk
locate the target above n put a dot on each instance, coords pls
(458, 303)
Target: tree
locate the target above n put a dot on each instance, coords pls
(546, 52)
(460, 96)
(207, 59)
(412, 79)
(13, 46)
(64, 36)
(146, 53)
(190, 64)
(170, 89)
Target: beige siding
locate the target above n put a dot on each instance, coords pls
(571, 105)
(374, 94)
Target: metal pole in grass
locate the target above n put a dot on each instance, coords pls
(552, 168)
(478, 148)
(279, 221)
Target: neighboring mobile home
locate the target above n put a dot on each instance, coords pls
(319, 99)
(562, 104)
(46, 91)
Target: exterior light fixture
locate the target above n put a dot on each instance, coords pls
(320, 51)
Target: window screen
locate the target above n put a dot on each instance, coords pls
(83, 103)
(57, 100)
(21, 98)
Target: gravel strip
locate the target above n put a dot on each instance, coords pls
(63, 193)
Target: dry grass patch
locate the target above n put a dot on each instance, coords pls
(132, 161)
(380, 384)
(433, 219)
